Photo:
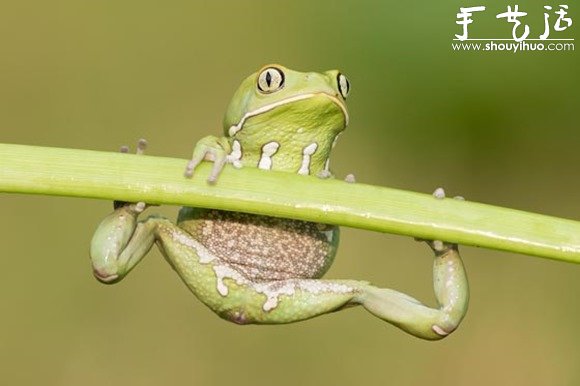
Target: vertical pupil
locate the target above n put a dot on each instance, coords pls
(268, 79)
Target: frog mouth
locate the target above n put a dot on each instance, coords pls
(233, 130)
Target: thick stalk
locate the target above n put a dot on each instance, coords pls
(158, 180)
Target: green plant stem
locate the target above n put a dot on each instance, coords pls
(158, 180)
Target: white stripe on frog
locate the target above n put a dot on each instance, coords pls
(268, 150)
(235, 157)
(306, 158)
(233, 130)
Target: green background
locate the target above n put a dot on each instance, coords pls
(499, 128)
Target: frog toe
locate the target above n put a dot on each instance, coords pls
(350, 178)
(141, 146)
(439, 246)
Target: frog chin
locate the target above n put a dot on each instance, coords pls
(234, 129)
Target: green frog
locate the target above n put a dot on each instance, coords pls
(258, 269)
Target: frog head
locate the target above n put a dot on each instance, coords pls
(281, 119)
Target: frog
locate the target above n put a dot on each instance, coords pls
(257, 269)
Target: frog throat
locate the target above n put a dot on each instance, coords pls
(233, 130)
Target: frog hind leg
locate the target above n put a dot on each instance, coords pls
(235, 298)
(121, 241)
(451, 290)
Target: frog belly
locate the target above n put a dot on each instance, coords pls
(263, 248)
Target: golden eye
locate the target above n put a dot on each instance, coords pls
(270, 80)
(343, 85)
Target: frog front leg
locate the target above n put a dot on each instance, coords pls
(210, 148)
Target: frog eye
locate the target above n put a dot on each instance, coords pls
(343, 85)
(270, 80)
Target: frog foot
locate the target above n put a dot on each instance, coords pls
(139, 206)
(438, 246)
(210, 148)
(325, 174)
(451, 290)
(439, 194)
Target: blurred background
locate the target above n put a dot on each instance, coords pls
(495, 127)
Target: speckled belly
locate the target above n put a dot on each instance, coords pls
(263, 248)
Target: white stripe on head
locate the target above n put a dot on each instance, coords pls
(233, 130)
